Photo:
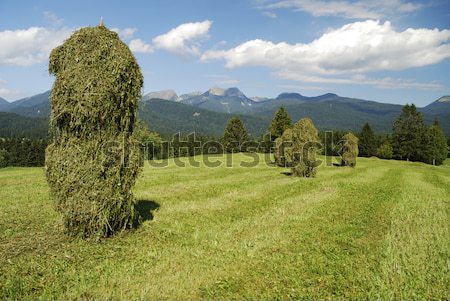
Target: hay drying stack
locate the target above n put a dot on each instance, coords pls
(349, 150)
(305, 142)
(93, 161)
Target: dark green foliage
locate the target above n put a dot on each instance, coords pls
(330, 142)
(170, 117)
(385, 151)
(280, 123)
(23, 151)
(266, 145)
(93, 161)
(3, 158)
(436, 147)
(349, 150)
(409, 134)
(367, 142)
(13, 125)
(413, 141)
(448, 146)
(305, 143)
(235, 135)
(150, 142)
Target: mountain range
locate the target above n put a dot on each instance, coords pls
(207, 113)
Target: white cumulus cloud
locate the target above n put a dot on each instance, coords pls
(139, 46)
(125, 33)
(25, 47)
(360, 9)
(354, 48)
(183, 39)
(359, 79)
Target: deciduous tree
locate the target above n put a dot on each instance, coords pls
(385, 151)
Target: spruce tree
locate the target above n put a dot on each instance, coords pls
(437, 148)
(93, 160)
(280, 123)
(349, 150)
(305, 141)
(408, 134)
(234, 136)
(367, 143)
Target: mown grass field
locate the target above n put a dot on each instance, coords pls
(380, 230)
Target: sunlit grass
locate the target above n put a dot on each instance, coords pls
(379, 230)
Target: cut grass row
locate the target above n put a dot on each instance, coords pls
(377, 231)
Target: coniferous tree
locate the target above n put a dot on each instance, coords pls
(3, 158)
(280, 123)
(408, 135)
(436, 148)
(367, 143)
(349, 150)
(234, 136)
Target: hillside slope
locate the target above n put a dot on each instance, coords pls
(14, 125)
(207, 113)
(169, 117)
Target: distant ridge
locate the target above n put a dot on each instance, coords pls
(194, 110)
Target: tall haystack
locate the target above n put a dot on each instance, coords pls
(349, 150)
(305, 140)
(93, 161)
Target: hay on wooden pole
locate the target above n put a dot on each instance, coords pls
(349, 150)
(283, 149)
(93, 160)
(305, 141)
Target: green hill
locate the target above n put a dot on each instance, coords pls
(170, 117)
(13, 125)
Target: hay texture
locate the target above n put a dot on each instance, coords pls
(93, 161)
(305, 143)
(349, 150)
(283, 149)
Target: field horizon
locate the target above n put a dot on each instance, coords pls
(379, 230)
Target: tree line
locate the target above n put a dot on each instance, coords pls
(410, 140)
(22, 152)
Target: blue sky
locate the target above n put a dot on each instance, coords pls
(393, 51)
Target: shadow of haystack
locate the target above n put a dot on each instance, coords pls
(144, 209)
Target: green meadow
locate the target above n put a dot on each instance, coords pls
(376, 231)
